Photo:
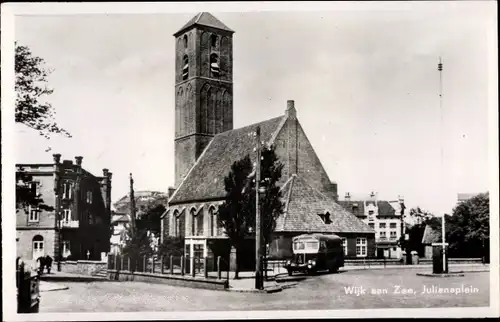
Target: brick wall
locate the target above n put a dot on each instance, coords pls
(83, 267)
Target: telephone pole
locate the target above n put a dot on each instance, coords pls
(443, 231)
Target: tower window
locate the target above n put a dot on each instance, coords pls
(213, 40)
(214, 65)
(185, 41)
(185, 69)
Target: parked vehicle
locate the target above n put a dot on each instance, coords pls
(315, 252)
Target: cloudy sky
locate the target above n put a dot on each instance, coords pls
(363, 76)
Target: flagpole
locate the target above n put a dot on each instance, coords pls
(258, 233)
(443, 231)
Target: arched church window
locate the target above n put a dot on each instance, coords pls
(185, 69)
(193, 222)
(185, 41)
(213, 221)
(213, 41)
(214, 65)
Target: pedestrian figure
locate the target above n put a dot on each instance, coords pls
(48, 263)
(41, 261)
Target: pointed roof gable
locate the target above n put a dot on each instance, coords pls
(204, 19)
(303, 204)
(205, 180)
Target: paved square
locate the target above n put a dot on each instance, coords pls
(328, 291)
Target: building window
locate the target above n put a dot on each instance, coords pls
(67, 191)
(214, 65)
(370, 212)
(34, 214)
(393, 234)
(382, 234)
(66, 215)
(382, 225)
(392, 225)
(344, 245)
(185, 69)
(89, 197)
(199, 223)
(193, 222)
(213, 40)
(372, 225)
(213, 221)
(361, 247)
(35, 188)
(185, 41)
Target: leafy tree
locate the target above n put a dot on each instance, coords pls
(26, 193)
(171, 246)
(237, 214)
(150, 219)
(137, 244)
(468, 228)
(31, 109)
(33, 112)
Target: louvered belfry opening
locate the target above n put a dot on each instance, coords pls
(214, 65)
(185, 69)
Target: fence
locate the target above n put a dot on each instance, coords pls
(207, 267)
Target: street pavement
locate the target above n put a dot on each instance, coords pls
(352, 289)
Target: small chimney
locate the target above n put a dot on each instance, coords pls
(347, 196)
(110, 175)
(78, 161)
(57, 158)
(373, 195)
(105, 172)
(290, 109)
(171, 191)
(401, 199)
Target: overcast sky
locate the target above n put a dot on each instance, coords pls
(364, 80)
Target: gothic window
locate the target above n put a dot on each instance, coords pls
(218, 113)
(210, 118)
(199, 224)
(193, 222)
(181, 112)
(185, 41)
(213, 221)
(205, 93)
(185, 69)
(213, 41)
(176, 223)
(214, 65)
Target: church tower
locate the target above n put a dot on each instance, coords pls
(203, 88)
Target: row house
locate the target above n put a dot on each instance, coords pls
(79, 226)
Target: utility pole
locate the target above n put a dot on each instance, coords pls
(440, 69)
(258, 223)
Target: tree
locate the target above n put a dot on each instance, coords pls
(416, 231)
(31, 109)
(171, 246)
(26, 193)
(469, 229)
(237, 214)
(137, 244)
(150, 219)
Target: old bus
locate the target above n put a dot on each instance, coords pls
(315, 252)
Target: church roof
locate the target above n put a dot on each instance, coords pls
(204, 19)
(205, 180)
(304, 204)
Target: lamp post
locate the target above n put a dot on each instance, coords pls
(258, 222)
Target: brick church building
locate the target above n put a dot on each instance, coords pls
(206, 145)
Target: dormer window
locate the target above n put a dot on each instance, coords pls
(185, 40)
(325, 218)
(213, 41)
(214, 65)
(185, 69)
